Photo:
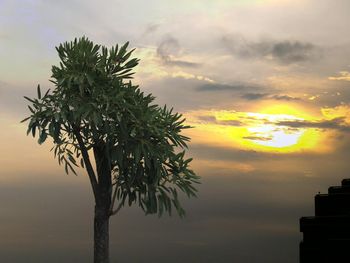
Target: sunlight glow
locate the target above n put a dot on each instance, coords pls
(268, 135)
(259, 131)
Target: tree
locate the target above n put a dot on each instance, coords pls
(96, 113)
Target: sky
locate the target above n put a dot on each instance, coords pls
(264, 83)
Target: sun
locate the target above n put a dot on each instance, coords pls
(267, 134)
(270, 136)
(263, 130)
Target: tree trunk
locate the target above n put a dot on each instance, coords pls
(101, 235)
(102, 206)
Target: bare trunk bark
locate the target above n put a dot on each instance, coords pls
(101, 235)
(102, 206)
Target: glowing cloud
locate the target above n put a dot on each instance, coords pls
(269, 130)
(343, 75)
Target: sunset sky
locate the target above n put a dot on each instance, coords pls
(264, 83)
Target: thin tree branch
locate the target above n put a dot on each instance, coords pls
(112, 213)
(113, 198)
(88, 166)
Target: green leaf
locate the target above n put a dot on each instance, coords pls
(33, 129)
(82, 162)
(42, 137)
(47, 92)
(137, 154)
(25, 119)
(133, 132)
(57, 116)
(122, 51)
(31, 109)
(39, 92)
(29, 99)
(72, 160)
(66, 167)
(71, 168)
(89, 79)
(125, 58)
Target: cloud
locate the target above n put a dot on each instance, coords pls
(285, 52)
(213, 120)
(254, 96)
(336, 112)
(170, 48)
(258, 96)
(285, 97)
(257, 138)
(289, 52)
(185, 75)
(151, 28)
(344, 75)
(225, 87)
(335, 124)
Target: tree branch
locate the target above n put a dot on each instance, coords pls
(88, 166)
(113, 198)
(112, 213)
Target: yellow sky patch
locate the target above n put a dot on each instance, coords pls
(260, 131)
(342, 111)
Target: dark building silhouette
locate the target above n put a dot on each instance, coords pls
(326, 236)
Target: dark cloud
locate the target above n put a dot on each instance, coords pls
(213, 120)
(285, 52)
(207, 119)
(230, 122)
(225, 87)
(151, 29)
(254, 96)
(289, 52)
(257, 138)
(187, 95)
(284, 97)
(170, 48)
(258, 96)
(339, 94)
(335, 124)
(149, 32)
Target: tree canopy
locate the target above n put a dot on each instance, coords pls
(95, 108)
